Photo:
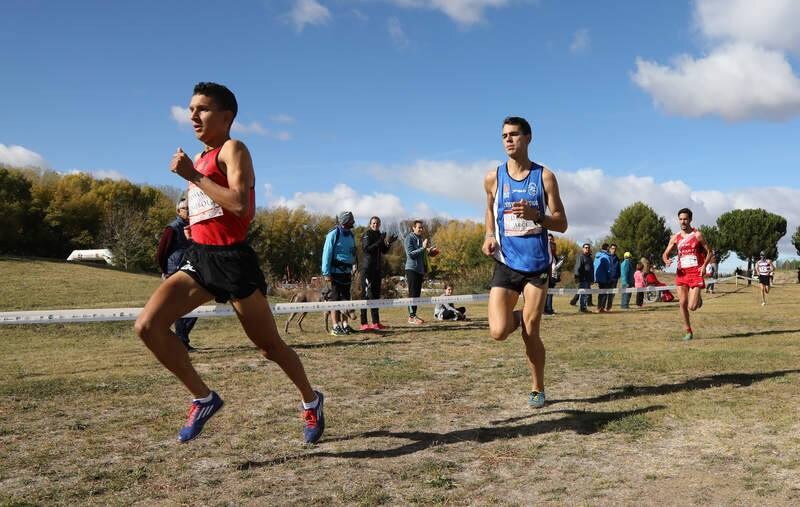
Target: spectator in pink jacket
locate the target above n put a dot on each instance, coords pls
(638, 282)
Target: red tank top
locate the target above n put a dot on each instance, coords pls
(210, 223)
(690, 253)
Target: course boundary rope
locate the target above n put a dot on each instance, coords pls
(220, 310)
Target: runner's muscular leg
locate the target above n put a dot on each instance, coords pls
(174, 298)
(501, 313)
(531, 323)
(259, 325)
(694, 298)
(683, 304)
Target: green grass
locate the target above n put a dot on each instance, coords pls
(419, 415)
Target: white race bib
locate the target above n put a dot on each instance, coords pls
(201, 206)
(688, 261)
(518, 226)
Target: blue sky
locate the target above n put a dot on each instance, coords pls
(393, 107)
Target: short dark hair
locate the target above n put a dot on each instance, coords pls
(448, 284)
(223, 97)
(604, 246)
(612, 244)
(420, 222)
(522, 123)
(586, 245)
(374, 218)
(686, 211)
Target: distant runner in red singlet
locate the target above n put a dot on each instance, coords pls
(219, 264)
(693, 255)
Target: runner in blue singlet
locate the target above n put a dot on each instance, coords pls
(518, 195)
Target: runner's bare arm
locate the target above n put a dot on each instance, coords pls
(490, 186)
(235, 162)
(557, 219)
(665, 255)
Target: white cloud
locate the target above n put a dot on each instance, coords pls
(580, 41)
(308, 12)
(737, 82)
(112, 174)
(769, 23)
(181, 115)
(19, 156)
(101, 174)
(251, 128)
(463, 12)
(744, 76)
(343, 197)
(397, 33)
(282, 118)
(456, 180)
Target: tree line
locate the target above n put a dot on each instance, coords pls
(47, 214)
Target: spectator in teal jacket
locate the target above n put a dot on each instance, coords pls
(626, 269)
(338, 267)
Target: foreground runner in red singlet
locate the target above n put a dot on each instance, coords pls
(693, 255)
(219, 264)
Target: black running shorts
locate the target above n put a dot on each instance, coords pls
(227, 272)
(512, 279)
(764, 280)
(340, 283)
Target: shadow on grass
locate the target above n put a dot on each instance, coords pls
(707, 382)
(581, 422)
(439, 327)
(759, 333)
(320, 345)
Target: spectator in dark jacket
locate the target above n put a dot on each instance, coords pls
(584, 273)
(602, 275)
(374, 244)
(169, 255)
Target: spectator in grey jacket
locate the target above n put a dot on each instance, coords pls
(416, 248)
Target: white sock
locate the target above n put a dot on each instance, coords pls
(204, 400)
(313, 404)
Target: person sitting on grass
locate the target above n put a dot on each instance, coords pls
(446, 311)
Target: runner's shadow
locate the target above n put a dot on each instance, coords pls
(694, 384)
(581, 422)
(346, 343)
(440, 326)
(759, 333)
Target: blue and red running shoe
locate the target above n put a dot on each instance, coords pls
(314, 420)
(199, 414)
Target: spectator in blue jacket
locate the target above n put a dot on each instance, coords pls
(602, 275)
(338, 267)
(626, 276)
(615, 272)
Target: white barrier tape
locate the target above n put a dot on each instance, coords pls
(220, 310)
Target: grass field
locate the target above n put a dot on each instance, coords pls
(435, 414)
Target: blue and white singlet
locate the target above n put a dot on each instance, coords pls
(523, 243)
